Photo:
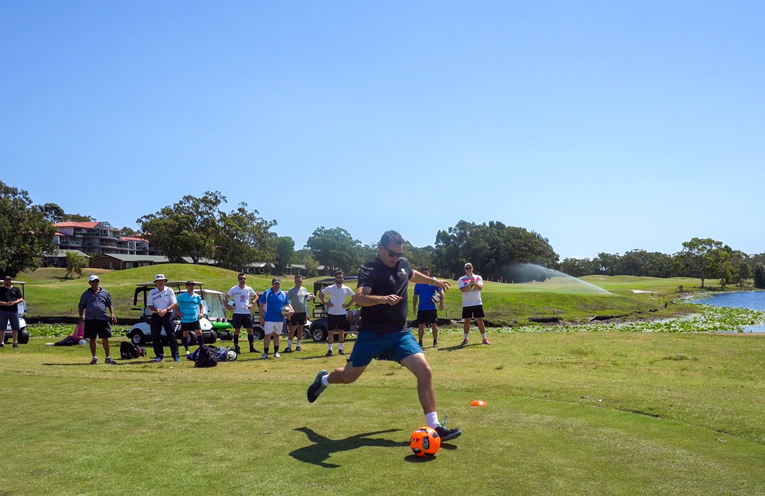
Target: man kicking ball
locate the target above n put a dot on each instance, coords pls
(382, 294)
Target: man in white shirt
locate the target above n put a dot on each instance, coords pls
(244, 297)
(471, 286)
(161, 303)
(336, 307)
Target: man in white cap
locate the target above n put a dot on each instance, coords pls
(471, 285)
(162, 302)
(98, 309)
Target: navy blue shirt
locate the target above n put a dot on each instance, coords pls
(96, 305)
(383, 281)
(8, 295)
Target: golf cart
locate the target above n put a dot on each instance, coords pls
(23, 334)
(318, 330)
(213, 322)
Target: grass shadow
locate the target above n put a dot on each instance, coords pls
(323, 447)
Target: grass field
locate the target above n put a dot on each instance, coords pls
(568, 413)
(568, 298)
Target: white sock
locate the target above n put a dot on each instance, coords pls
(432, 419)
(330, 346)
(325, 380)
(341, 346)
(289, 343)
(483, 335)
(299, 341)
(466, 336)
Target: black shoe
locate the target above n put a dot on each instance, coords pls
(447, 434)
(341, 352)
(315, 389)
(237, 350)
(329, 353)
(2, 345)
(15, 345)
(288, 350)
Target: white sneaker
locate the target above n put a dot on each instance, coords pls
(277, 355)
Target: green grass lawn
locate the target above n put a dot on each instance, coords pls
(568, 413)
(568, 298)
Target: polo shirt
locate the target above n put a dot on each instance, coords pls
(383, 281)
(8, 295)
(242, 298)
(189, 306)
(161, 299)
(337, 296)
(96, 305)
(426, 292)
(299, 299)
(274, 302)
(471, 298)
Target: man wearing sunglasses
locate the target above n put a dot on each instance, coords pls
(383, 297)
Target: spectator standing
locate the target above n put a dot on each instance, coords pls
(299, 298)
(10, 297)
(190, 309)
(162, 302)
(427, 311)
(471, 285)
(336, 307)
(98, 309)
(243, 297)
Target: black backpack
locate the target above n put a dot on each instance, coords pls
(206, 357)
(129, 350)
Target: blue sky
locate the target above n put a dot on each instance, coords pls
(604, 126)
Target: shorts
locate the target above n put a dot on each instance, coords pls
(191, 326)
(242, 320)
(100, 328)
(427, 317)
(11, 318)
(298, 318)
(396, 346)
(273, 327)
(336, 322)
(476, 311)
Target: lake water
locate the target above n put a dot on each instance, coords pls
(754, 300)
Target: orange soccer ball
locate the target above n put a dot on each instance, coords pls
(425, 442)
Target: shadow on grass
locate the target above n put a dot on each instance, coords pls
(323, 447)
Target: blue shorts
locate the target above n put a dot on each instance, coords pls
(9, 319)
(396, 345)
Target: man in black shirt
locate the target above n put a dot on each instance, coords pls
(382, 294)
(10, 297)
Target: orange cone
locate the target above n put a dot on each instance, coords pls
(479, 403)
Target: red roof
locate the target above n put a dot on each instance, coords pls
(85, 225)
(134, 238)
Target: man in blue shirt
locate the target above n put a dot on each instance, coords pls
(274, 307)
(190, 309)
(96, 304)
(428, 295)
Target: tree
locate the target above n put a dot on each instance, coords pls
(127, 231)
(759, 276)
(25, 234)
(285, 249)
(75, 262)
(492, 249)
(701, 258)
(187, 228)
(52, 212)
(578, 267)
(334, 248)
(244, 238)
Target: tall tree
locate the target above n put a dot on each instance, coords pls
(25, 234)
(187, 228)
(244, 238)
(334, 248)
(285, 250)
(701, 258)
(759, 276)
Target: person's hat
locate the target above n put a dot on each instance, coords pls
(93, 278)
(190, 283)
(468, 264)
(276, 279)
(160, 277)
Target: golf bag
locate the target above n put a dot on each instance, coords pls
(205, 356)
(129, 350)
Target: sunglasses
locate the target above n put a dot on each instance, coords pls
(394, 254)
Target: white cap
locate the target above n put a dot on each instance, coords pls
(93, 278)
(160, 277)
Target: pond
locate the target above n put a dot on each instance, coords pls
(754, 300)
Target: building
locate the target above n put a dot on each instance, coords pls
(58, 258)
(122, 262)
(99, 238)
